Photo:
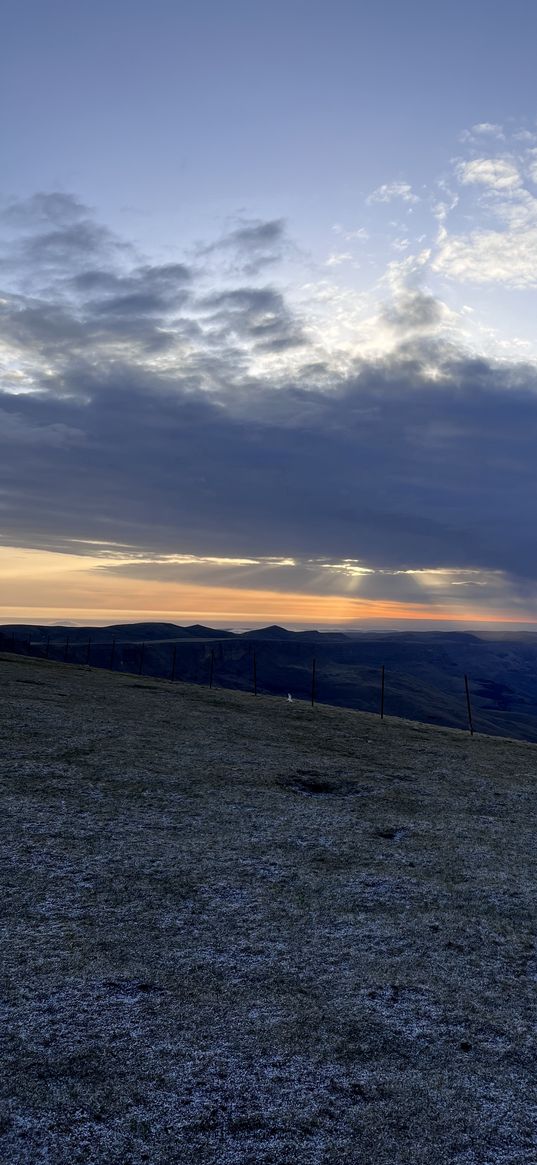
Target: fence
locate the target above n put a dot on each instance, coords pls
(236, 666)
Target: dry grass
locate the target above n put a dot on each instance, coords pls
(244, 931)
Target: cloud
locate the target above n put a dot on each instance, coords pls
(390, 466)
(454, 590)
(337, 258)
(498, 173)
(490, 129)
(252, 245)
(78, 289)
(502, 247)
(165, 280)
(413, 311)
(359, 234)
(483, 129)
(525, 135)
(187, 422)
(257, 314)
(392, 190)
(66, 245)
(45, 208)
(506, 258)
(55, 232)
(15, 430)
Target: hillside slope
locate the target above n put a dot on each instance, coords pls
(424, 672)
(246, 931)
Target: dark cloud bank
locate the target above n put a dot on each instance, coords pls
(151, 420)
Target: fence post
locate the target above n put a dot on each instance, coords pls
(142, 651)
(66, 650)
(469, 706)
(312, 682)
(47, 647)
(255, 672)
(174, 653)
(211, 669)
(88, 652)
(112, 653)
(382, 693)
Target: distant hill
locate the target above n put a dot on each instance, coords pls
(281, 633)
(198, 631)
(273, 632)
(127, 632)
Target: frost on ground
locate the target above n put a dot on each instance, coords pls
(246, 931)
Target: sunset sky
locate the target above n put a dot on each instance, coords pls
(268, 294)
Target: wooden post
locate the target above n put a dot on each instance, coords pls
(382, 693)
(211, 670)
(66, 650)
(255, 672)
(174, 653)
(312, 682)
(88, 652)
(469, 706)
(112, 653)
(141, 659)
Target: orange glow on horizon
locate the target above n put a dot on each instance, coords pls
(42, 586)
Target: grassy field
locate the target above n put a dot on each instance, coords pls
(245, 931)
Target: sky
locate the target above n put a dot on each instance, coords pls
(268, 290)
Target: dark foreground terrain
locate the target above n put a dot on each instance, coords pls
(245, 931)
(424, 671)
